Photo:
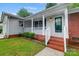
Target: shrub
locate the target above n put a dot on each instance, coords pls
(72, 52)
(28, 34)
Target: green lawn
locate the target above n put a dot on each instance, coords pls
(72, 52)
(19, 47)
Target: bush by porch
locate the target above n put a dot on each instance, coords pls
(72, 52)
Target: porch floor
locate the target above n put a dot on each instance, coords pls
(49, 52)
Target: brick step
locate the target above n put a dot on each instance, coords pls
(56, 37)
(56, 43)
(56, 47)
(57, 40)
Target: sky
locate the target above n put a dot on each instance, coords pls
(13, 8)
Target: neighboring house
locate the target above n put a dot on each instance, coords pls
(56, 25)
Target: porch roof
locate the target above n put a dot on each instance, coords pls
(53, 10)
(47, 12)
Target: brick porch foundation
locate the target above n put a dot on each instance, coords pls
(14, 35)
(39, 37)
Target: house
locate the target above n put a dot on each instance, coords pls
(56, 25)
(12, 25)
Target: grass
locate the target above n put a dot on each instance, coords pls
(72, 52)
(19, 47)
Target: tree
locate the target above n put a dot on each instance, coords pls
(74, 5)
(50, 5)
(23, 12)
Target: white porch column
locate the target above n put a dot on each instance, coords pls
(32, 25)
(43, 28)
(65, 29)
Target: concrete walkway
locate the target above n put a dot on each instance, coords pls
(49, 52)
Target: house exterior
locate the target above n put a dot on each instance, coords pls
(56, 26)
(11, 26)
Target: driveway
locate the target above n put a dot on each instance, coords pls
(49, 52)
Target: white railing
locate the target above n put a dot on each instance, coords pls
(47, 35)
(37, 30)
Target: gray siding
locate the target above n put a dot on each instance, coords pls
(14, 27)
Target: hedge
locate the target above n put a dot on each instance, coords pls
(28, 34)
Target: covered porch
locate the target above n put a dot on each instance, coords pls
(43, 23)
(36, 25)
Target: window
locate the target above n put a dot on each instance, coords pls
(38, 23)
(21, 23)
(45, 22)
(58, 24)
(35, 23)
